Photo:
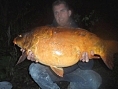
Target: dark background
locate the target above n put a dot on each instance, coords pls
(18, 16)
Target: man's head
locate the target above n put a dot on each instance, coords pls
(61, 12)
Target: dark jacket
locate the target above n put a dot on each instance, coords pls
(82, 65)
(73, 24)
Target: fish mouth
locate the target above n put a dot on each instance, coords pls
(14, 41)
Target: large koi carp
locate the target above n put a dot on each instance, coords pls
(59, 47)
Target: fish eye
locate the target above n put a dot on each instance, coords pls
(20, 35)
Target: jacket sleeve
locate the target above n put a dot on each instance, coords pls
(86, 65)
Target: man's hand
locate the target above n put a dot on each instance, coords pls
(86, 57)
(30, 55)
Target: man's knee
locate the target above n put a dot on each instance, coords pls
(35, 69)
(94, 79)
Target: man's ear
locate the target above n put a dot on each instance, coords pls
(70, 12)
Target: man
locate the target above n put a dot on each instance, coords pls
(79, 75)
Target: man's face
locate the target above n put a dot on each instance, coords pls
(61, 14)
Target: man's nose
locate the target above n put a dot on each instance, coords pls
(59, 15)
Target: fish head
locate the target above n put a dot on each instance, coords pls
(19, 41)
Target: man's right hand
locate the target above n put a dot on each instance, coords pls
(30, 55)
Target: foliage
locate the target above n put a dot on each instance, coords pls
(9, 28)
(8, 59)
(88, 20)
(13, 22)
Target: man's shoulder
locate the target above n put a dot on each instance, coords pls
(74, 24)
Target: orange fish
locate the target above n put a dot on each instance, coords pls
(59, 47)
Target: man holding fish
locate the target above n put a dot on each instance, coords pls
(80, 75)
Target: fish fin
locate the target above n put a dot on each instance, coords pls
(22, 57)
(58, 71)
(108, 61)
(94, 57)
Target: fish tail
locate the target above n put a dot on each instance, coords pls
(111, 47)
(108, 60)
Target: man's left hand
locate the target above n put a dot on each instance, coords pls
(85, 57)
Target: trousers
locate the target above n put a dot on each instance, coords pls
(79, 79)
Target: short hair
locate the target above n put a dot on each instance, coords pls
(58, 2)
